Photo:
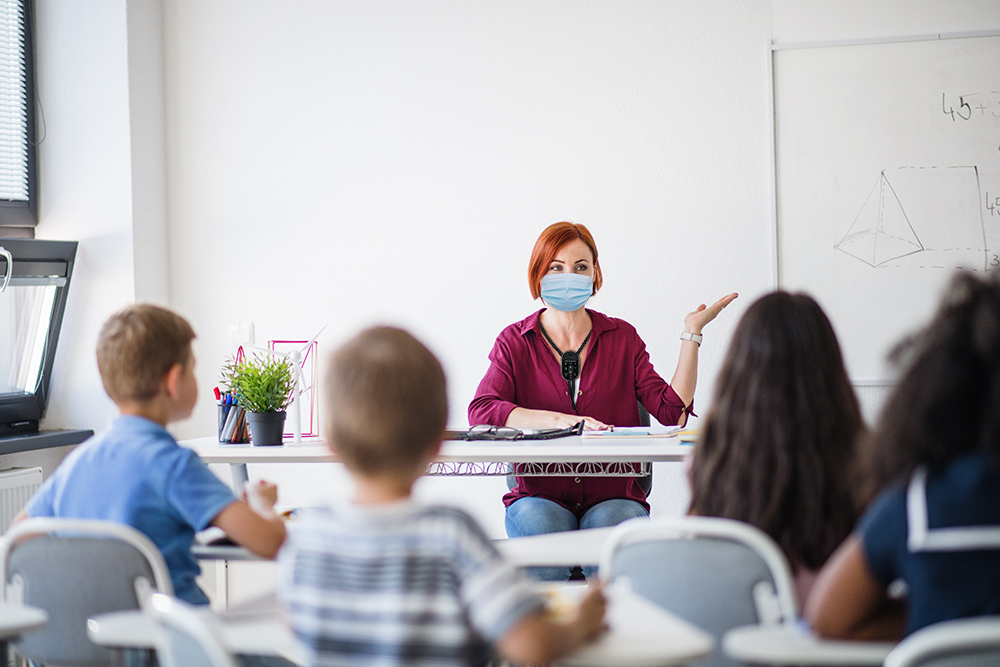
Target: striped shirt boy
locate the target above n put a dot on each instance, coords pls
(398, 584)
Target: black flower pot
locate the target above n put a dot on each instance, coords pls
(266, 427)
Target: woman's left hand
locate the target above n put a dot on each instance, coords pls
(703, 314)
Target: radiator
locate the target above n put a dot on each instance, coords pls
(17, 485)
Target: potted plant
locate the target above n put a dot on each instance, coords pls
(262, 385)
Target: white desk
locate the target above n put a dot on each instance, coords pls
(569, 456)
(252, 628)
(570, 547)
(792, 645)
(15, 620)
(640, 634)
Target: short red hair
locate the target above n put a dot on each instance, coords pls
(549, 243)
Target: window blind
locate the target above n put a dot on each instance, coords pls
(13, 103)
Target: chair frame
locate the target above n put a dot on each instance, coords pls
(170, 612)
(944, 638)
(83, 527)
(687, 527)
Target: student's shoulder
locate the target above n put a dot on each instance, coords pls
(132, 433)
(882, 526)
(447, 513)
(413, 516)
(125, 440)
(451, 522)
(888, 505)
(321, 522)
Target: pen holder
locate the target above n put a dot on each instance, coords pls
(223, 413)
(233, 424)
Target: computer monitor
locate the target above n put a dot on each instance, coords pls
(34, 277)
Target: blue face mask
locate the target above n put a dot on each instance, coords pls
(567, 291)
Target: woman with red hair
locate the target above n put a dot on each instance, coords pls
(565, 364)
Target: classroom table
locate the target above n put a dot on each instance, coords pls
(15, 620)
(640, 634)
(578, 455)
(252, 628)
(571, 546)
(578, 547)
(796, 645)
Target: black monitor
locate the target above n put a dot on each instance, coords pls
(35, 277)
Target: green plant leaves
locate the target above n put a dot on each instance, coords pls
(262, 383)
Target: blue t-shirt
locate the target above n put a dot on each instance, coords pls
(954, 582)
(135, 473)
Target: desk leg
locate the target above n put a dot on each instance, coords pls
(222, 584)
(240, 477)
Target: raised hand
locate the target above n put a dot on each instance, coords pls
(702, 315)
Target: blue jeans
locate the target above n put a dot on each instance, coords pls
(536, 516)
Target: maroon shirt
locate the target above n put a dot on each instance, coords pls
(616, 373)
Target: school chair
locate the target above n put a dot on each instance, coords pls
(716, 573)
(75, 569)
(964, 642)
(188, 639)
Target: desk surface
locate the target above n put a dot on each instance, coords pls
(581, 547)
(569, 449)
(792, 645)
(571, 547)
(640, 634)
(17, 619)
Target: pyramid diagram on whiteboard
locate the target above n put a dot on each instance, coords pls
(881, 232)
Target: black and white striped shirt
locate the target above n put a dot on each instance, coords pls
(399, 584)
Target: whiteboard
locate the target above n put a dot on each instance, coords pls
(887, 161)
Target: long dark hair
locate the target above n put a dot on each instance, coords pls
(947, 402)
(779, 444)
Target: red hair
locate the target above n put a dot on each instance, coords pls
(552, 239)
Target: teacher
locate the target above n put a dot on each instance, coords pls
(564, 364)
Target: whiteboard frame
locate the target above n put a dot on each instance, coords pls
(879, 40)
(776, 248)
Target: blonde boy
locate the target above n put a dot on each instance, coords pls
(384, 580)
(135, 472)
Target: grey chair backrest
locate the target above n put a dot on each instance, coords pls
(716, 573)
(967, 642)
(188, 639)
(76, 569)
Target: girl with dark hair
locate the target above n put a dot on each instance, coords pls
(936, 526)
(779, 443)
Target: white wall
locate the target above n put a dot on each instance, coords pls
(85, 187)
(354, 162)
(348, 163)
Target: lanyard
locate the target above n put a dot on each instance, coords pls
(569, 361)
(920, 537)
